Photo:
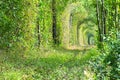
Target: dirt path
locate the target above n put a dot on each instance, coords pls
(81, 47)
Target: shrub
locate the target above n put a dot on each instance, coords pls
(107, 65)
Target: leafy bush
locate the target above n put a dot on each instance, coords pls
(107, 65)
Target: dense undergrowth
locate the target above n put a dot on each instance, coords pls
(107, 65)
(48, 64)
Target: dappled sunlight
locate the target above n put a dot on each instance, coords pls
(59, 39)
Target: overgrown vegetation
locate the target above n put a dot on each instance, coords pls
(47, 64)
(107, 65)
(59, 39)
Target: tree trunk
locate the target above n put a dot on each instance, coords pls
(78, 43)
(103, 18)
(54, 22)
(98, 21)
(38, 32)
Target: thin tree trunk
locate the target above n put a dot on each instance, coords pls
(98, 20)
(103, 18)
(116, 17)
(54, 22)
(78, 43)
(38, 27)
(38, 31)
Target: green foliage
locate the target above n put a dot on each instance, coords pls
(45, 19)
(17, 23)
(46, 64)
(75, 22)
(8, 21)
(107, 64)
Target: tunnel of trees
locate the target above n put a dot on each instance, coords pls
(34, 32)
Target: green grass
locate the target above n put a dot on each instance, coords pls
(54, 64)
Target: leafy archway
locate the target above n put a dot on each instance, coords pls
(75, 20)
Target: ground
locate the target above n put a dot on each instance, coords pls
(47, 64)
